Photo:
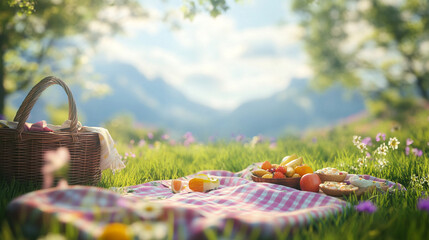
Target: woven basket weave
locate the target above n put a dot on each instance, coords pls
(21, 152)
(288, 182)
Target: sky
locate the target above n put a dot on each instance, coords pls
(252, 51)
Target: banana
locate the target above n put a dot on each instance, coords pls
(295, 163)
(288, 159)
(260, 172)
(290, 172)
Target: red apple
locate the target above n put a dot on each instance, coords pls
(310, 182)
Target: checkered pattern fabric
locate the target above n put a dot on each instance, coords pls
(249, 206)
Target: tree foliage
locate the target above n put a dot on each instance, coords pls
(378, 46)
(40, 37)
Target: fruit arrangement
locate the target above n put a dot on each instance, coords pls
(290, 167)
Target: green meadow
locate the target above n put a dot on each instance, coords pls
(397, 215)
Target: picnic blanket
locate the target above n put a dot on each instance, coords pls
(249, 206)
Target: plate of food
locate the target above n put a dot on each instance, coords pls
(331, 174)
(337, 189)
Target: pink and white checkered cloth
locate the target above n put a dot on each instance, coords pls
(250, 206)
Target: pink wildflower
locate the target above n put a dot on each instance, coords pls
(423, 204)
(150, 135)
(366, 206)
(54, 161)
(377, 138)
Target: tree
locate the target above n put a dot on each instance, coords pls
(378, 46)
(39, 37)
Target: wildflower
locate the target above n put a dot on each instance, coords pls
(368, 155)
(423, 204)
(132, 142)
(382, 162)
(165, 137)
(362, 161)
(142, 142)
(149, 210)
(417, 152)
(362, 147)
(407, 151)
(377, 138)
(273, 145)
(149, 135)
(239, 138)
(382, 149)
(187, 135)
(367, 141)
(148, 230)
(366, 206)
(115, 231)
(255, 140)
(172, 142)
(157, 145)
(414, 178)
(409, 141)
(393, 143)
(356, 140)
(54, 162)
(189, 139)
(314, 140)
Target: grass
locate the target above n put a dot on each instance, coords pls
(397, 216)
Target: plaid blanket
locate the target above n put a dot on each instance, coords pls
(249, 206)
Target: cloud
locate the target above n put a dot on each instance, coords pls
(227, 65)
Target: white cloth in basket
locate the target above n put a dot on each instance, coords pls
(110, 158)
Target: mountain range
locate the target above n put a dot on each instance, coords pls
(153, 102)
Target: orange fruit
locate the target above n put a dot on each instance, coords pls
(176, 185)
(266, 165)
(115, 231)
(203, 183)
(303, 169)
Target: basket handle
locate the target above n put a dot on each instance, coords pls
(34, 94)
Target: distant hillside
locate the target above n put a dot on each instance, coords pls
(292, 110)
(156, 103)
(152, 102)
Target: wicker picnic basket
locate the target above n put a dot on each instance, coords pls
(288, 182)
(21, 152)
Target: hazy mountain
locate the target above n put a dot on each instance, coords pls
(291, 110)
(156, 103)
(152, 102)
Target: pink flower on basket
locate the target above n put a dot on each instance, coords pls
(54, 161)
(366, 206)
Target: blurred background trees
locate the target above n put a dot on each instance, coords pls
(378, 46)
(40, 37)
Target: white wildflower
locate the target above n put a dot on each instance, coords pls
(382, 149)
(362, 147)
(382, 162)
(356, 140)
(393, 143)
(149, 210)
(362, 161)
(149, 230)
